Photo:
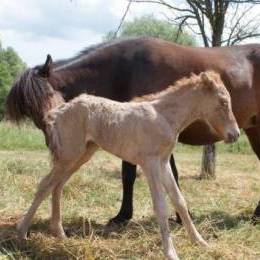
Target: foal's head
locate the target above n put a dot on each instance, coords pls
(217, 110)
(32, 95)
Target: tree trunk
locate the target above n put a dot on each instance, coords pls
(208, 162)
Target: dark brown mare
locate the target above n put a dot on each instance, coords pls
(124, 69)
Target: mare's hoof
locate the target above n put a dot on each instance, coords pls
(256, 216)
(21, 231)
(119, 221)
(255, 219)
(178, 219)
(21, 234)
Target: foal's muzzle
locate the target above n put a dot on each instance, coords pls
(232, 136)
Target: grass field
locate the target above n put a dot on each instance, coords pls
(221, 208)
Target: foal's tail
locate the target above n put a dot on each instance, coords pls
(52, 137)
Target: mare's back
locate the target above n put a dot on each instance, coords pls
(135, 67)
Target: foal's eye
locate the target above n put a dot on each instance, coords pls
(224, 103)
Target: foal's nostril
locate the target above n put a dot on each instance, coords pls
(233, 136)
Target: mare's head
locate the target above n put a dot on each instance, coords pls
(32, 96)
(218, 110)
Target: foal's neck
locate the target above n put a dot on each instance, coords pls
(54, 100)
(181, 106)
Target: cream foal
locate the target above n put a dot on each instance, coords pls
(142, 132)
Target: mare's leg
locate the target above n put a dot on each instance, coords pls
(174, 169)
(152, 171)
(253, 135)
(45, 188)
(179, 203)
(176, 177)
(128, 180)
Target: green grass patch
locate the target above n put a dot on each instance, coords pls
(221, 208)
(28, 137)
(24, 137)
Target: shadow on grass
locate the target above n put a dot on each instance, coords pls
(41, 245)
(80, 231)
(223, 220)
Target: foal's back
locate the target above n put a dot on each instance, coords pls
(119, 128)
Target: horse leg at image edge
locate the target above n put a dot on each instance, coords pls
(253, 135)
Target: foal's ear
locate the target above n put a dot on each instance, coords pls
(45, 70)
(207, 80)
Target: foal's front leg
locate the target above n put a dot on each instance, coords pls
(151, 170)
(179, 203)
(56, 219)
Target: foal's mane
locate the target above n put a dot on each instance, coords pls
(187, 82)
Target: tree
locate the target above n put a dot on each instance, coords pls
(11, 66)
(14, 62)
(5, 83)
(216, 22)
(150, 26)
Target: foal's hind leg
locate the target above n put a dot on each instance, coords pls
(44, 189)
(179, 203)
(151, 170)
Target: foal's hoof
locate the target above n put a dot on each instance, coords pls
(178, 218)
(61, 236)
(172, 256)
(203, 243)
(58, 233)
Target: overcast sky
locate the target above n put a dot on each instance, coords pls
(62, 27)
